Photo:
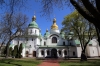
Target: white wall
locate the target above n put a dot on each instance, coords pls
(33, 31)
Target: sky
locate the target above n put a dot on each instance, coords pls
(42, 21)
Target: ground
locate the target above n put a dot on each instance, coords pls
(48, 62)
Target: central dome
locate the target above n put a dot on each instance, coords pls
(54, 26)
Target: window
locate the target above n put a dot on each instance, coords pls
(27, 39)
(59, 52)
(32, 39)
(42, 52)
(63, 43)
(27, 53)
(35, 31)
(73, 53)
(65, 52)
(44, 43)
(54, 40)
(70, 43)
(48, 52)
(30, 31)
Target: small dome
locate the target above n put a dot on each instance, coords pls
(46, 34)
(33, 24)
(71, 33)
(47, 30)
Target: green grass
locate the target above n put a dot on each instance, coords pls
(19, 62)
(78, 63)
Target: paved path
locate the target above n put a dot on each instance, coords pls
(50, 63)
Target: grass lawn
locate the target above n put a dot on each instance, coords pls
(78, 63)
(19, 62)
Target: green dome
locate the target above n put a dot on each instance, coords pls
(46, 34)
(63, 35)
(71, 33)
(33, 24)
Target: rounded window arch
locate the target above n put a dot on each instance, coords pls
(42, 52)
(59, 51)
(65, 52)
(48, 52)
(54, 40)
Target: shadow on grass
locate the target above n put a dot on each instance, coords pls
(79, 63)
(18, 62)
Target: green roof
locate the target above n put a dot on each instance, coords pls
(62, 35)
(77, 41)
(71, 33)
(11, 45)
(46, 34)
(33, 24)
(90, 42)
(23, 45)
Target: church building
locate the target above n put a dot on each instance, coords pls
(52, 44)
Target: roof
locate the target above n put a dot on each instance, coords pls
(62, 35)
(33, 24)
(46, 34)
(11, 45)
(52, 46)
(77, 41)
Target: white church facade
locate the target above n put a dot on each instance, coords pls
(52, 44)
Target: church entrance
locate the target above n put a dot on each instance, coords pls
(34, 53)
(54, 53)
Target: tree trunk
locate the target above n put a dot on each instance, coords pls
(83, 56)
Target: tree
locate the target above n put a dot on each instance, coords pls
(90, 10)
(81, 28)
(15, 51)
(20, 50)
(11, 25)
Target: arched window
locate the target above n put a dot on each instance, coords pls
(73, 53)
(44, 43)
(27, 53)
(70, 43)
(48, 52)
(32, 39)
(65, 52)
(59, 52)
(63, 43)
(54, 40)
(42, 52)
(30, 31)
(35, 31)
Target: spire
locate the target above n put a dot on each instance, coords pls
(34, 17)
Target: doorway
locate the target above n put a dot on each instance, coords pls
(54, 53)
(34, 53)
